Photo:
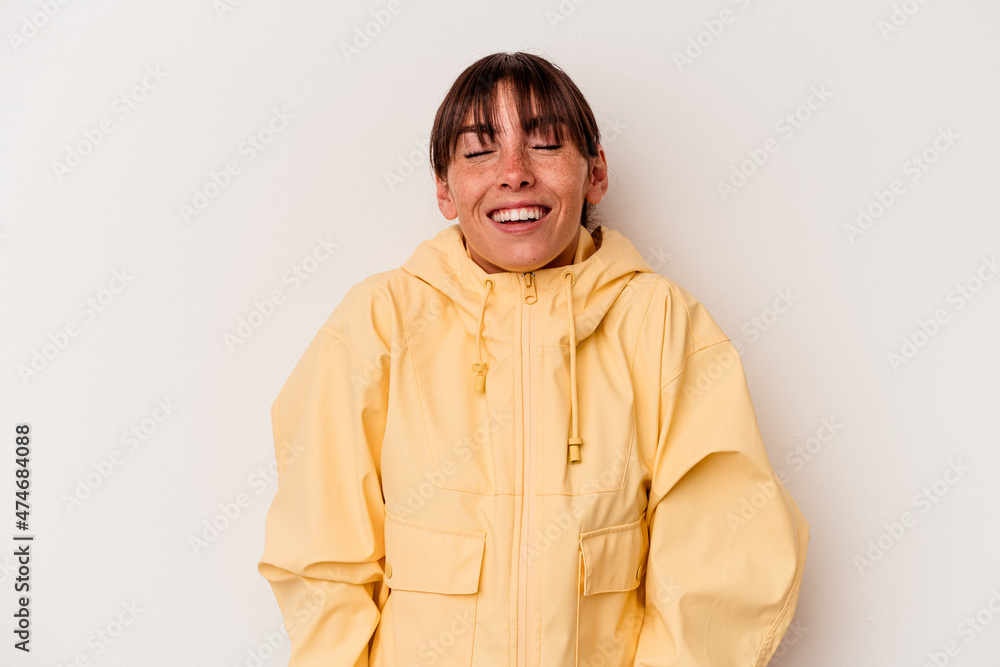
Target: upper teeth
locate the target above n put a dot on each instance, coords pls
(529, 213)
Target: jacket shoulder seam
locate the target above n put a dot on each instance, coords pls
(674, 296)
(690, 351)
(360, 362)
(642, 322)
(697, 346)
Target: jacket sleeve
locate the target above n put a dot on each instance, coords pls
(324, 548)
(727, 542)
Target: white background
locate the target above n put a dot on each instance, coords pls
(674, 129)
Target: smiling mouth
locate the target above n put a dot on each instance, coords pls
(524, 214)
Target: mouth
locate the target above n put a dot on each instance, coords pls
(519, 214)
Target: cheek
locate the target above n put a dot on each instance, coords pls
(571, 178)
(468, 192)
(467, 203)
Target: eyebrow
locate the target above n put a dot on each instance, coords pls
(533, 124)
(478, 129)
(543, 121)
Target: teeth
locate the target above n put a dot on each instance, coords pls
(518, 214)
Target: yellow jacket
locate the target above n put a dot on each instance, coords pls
(429, 511)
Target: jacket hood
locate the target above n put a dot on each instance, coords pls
(585, 290)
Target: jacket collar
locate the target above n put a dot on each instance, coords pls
(603, 265)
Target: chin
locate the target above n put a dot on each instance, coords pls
(519, 265)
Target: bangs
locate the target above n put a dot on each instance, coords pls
(545, 97)
(536, 110)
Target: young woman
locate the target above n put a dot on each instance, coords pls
(524, 447)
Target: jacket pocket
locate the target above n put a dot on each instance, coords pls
(433, 573)
(610, 609)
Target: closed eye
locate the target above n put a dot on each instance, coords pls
(550, 147)
(477, 154)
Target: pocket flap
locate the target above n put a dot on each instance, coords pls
(433, 559)
(614, 557)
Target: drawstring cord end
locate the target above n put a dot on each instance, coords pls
(480, 370)
(574, 450)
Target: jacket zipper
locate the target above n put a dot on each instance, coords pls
(524, 655)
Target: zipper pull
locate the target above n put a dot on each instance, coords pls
(530, 296)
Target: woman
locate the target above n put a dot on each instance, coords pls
(523, 447)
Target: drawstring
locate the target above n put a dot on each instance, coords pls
(574, 436)
(480, 367)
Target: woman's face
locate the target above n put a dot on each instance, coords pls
(491, 188)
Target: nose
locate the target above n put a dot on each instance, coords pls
(515, 169)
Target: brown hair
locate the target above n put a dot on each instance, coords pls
(559, 105)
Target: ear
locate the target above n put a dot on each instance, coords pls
(597, 177)
(445, 201)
